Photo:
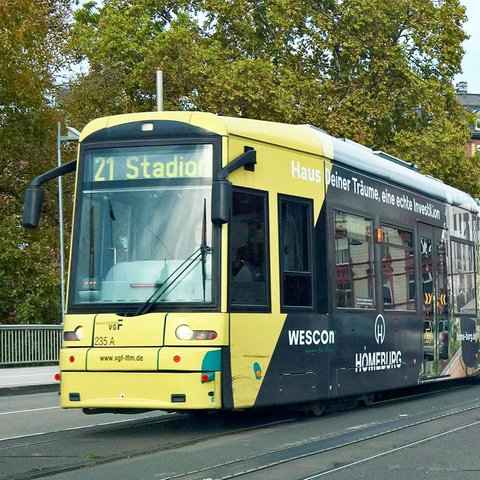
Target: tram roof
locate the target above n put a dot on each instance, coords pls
(351, 154)
(396, 171)
(305, 138)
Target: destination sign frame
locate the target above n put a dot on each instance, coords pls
(151, 162)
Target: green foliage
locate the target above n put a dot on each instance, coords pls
(29, 279)
(377, 72)
(33, 36)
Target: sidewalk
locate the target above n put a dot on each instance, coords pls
(24, 380)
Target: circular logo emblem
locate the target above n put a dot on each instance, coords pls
(379, 329)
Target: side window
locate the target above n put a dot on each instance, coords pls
(296, 252)
(398, 269)
(248, 252)
(354, 276)
(463, 276)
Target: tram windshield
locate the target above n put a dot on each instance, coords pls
(143, 226)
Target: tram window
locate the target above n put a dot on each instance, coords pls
(354, 272)
(398, 269)
(295, 253)
(248, 251)
(463, 224)
(463, 276)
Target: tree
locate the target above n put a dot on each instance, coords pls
(377, 72)
(32, 35)
(114, 41)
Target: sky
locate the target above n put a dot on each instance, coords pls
(471, 60)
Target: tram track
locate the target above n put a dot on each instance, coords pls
(165, 437)
(386, 452)
(170, 437)
(253, 466)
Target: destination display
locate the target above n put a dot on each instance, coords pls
(148, 163)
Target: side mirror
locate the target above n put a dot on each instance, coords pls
(221, 201)
(222, 190)
(32, 207)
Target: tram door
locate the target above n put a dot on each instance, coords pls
(433, 254)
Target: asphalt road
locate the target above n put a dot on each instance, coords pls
(32, 415)
(440, 441)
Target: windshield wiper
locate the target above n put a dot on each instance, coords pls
(183, 269)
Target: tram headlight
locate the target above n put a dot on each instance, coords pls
(184, 332)
(76, 335)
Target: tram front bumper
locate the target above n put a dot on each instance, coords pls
(140, 390)
(141, 378)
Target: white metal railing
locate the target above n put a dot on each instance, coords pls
(29, 344)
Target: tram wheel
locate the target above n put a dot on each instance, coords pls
(367, 401)
(317, 409)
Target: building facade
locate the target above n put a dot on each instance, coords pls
(471, 101)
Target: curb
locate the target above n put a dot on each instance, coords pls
(29, 389)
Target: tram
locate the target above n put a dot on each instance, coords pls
(228, 263)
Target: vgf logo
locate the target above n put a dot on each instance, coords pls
(380, 329)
